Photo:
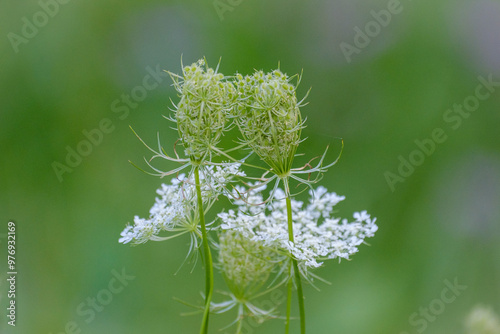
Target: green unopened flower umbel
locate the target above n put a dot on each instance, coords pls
(245, 264)
(269, 119)
(205, 98)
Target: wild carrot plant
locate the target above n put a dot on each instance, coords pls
(265, 238)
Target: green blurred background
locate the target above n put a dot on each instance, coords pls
(441, 223)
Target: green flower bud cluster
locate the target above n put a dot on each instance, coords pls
(263, 105)
(246, 264)
(205, 98)
(269, 119)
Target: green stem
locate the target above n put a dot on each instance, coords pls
(209, 274)
(298, 282)
(300, 295)
(240, 325)
(288, 303)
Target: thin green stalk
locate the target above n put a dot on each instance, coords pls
(288, 303)
(209, 273)
(298, 282)
(240, 325)
(300, 295)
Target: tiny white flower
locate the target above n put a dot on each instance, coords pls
(361, 216)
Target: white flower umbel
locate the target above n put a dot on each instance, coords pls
(181, 209)
(318, 234)
(175, 210)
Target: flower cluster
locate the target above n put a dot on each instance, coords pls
(200, 115)
(269, 119)
(246, 264)
(318, 235)
(174, 210)
(269, 236)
